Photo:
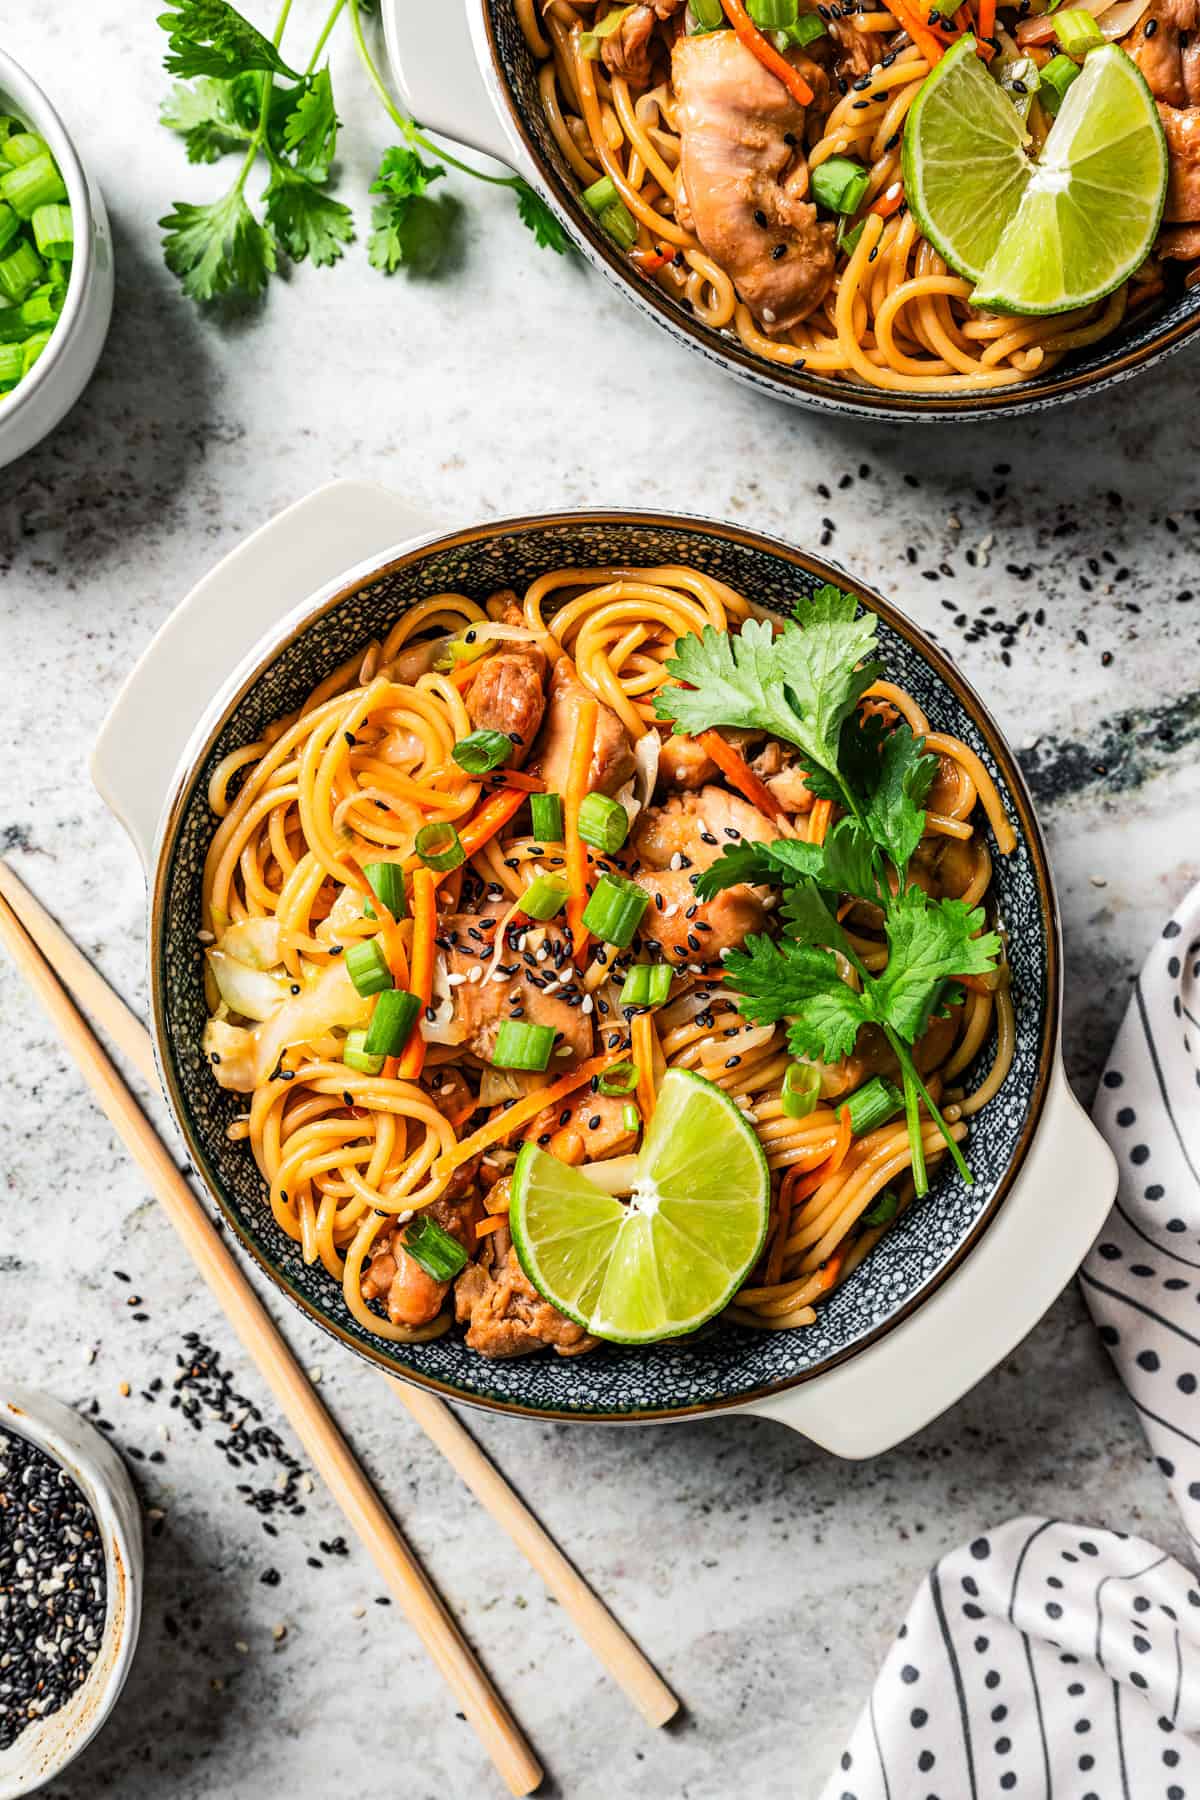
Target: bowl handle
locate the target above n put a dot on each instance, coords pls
(434, 66)
(208, 634)
(1025, 1258)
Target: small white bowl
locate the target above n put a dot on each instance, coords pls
(45, 1748)
(54, 384)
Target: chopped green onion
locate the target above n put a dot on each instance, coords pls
(872, 1104)
(355, 1055)
(42, 306)
(20, 270)
(709, 15)
(482, 751)
(13, 329)
(620, 1079)
(10, 224)
(8, 124)
(12, 366)
(1077, 32)
(545, 897)
(467, 648)
(773, 15)
(367, 967)
(24, 147)
(884, 1210)
(615, 910)
(647, 984)
(631, 1118)
(613, 215)
(439, 847)
(547, 814)
(840, 184)
(1054, 80)
(387, 884)
(32, 348)
(54, 232)
(34, 184)
(396, 1012)
(434, 1250)
(590, 41)
(848, 241)
(603, 823)
(520, 1045)
(801, 1089)
(807, 29)
(602, 193)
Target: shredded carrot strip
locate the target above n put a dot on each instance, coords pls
(493, 1223)
(527, 784)
(567, 1146)
(808, 1184)
(766, 52)
(831, 1269)
(492, 817)
(424, 893)
(987, 22)
(651, 261)
(975, 983)
(576, 853)
(644, 1040)
(521, 1111)
(774, 1269)
(927, 40)
(736, 769)
(818, 821)
(464, 675)
(889, 202)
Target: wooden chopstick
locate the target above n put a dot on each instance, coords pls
(326, 1447)
(613, 1647)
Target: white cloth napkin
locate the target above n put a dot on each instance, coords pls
(1055, 1660)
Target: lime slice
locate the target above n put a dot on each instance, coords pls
(1045, 236)
(678, 1251)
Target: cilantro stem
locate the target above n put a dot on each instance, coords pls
(328, 26)
(409, 127)
(912, 1111)
(909, 1068)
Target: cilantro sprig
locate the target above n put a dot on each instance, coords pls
(804, 684)
(239, 96)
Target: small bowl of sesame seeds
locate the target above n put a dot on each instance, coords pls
(70, 1586)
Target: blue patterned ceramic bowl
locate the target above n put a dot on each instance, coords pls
(511, 77)
(723, 1365)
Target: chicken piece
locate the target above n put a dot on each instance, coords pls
(1182, 244)
(745, 177)
(683, 763)
(1182, 126)
(1165, 45)
(856, 53)
(509, 695)
(596, 1120)
(409, 1293)
(505, 1314)
(627, 50)
(780, 772)
(612, 755)
(694, 828)
(468, 941)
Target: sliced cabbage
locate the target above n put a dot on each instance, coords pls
(252, 993)
(247, 1057)
(256, 942)
(639, 789)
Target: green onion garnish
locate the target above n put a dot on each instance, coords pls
(545, 897)
(848, 241)
(43, 306)
(647, 984)
(1054, 80)
(20, 270)
(483, 751)
(807, 29)
(32, 348)
(1077, 32)
(13, 329)
(12, 366)
(439, 847)
(840, 184)
(872, 1104)
(387, 884)
(614, 216)
(24, 147)
(884, 1210)
(620, 1079)
(10, 224)
(396, 1012)
(34, 184)
(520, 1045)
(801, 1089)
(773, 15)
(54, 233)
(603, 823)
(615, 910)
(547, 814)
(367, 967)
(708, 14)
(435, 1250)
(355, 1056)
(631, 1118)
(590, 41)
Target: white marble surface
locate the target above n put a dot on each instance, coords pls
(762, 1576)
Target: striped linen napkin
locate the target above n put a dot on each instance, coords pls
(1055, 1660)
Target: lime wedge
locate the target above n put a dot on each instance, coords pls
(1044, 236)
(678, 1251)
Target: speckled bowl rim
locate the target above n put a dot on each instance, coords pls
(367, 575)
(819, 393)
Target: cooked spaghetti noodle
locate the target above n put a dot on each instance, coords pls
(877, 306)
(356, 1149)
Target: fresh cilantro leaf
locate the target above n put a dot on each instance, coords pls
(306, 221)
(219, 248)
(732, 678)
(311, 127)
(884, 1209)
(890, 771)
(850, 862)
(781, 862)
(929, 942)
(403, 172)
(209, 37)
(410, 229)
(205, 117)
(819, 660)
(537, 217)
(810, 917)
(802, 984)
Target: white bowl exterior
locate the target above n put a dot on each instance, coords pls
(45, 1748)
(66, 365)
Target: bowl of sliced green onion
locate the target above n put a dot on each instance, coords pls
(56, 267)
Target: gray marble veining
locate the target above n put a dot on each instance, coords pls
(763, 1577)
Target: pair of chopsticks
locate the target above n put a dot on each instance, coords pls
(52, 965)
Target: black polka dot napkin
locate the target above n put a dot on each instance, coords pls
(1053, 1661)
